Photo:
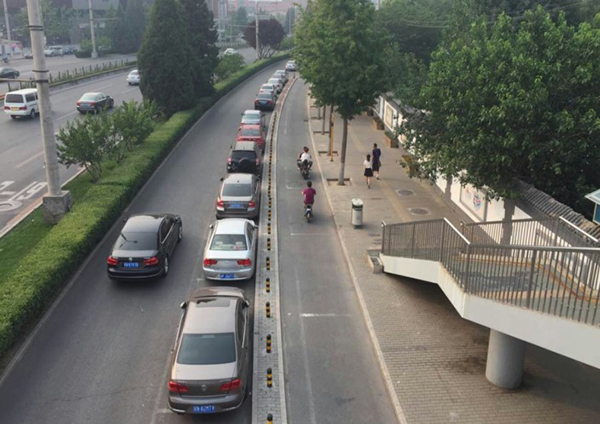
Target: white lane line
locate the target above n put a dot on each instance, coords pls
(32, 158)
(309, 234)
(64, 116)
(323, 315)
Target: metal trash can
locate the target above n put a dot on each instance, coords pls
(357, 212)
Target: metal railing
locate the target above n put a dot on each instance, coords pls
(557, 280)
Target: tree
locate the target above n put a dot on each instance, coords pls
(202, 36)
(164, 59)
(229, 65)
(514, 101)
(133, 123)
(83, 142)
(290, 20)
(340, 51)
(270, 34)
(127, 30)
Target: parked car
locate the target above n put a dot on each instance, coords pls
(239, 197)
(23, 103)
(277, 82)
(28, 55)
(281, 74)
(145, 246)
(244, 158)
(133, 78)
(253, 117)
(268, 88)
(210, 363)
(52, 51)
(252, 133)
(94, 102)
(69, 50)
(9, 73)
(230, 52)
(265, 101)
(231, 250)
(290, 66)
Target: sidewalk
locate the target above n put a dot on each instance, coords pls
(434, 359)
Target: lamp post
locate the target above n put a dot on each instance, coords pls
(92, 30)
(7, 22)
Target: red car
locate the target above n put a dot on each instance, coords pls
(252, 133)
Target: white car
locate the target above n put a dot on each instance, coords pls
(134, 77)
(269, 88)
(290, 66)
(277, 82)
(281, 74)
(23, 103)
(253, 117)
(229, 52)
(230, 251)
(52, 51)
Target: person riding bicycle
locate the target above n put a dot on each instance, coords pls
(309, 194)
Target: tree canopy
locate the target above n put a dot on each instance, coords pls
(514, 100)
(270, 35)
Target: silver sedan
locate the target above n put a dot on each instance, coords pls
(230, 251)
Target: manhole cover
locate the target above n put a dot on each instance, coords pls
(405, 192)
(419, 211)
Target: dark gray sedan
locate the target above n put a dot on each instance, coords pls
(9, 73)
(239, 197)
(211, 356)
(94, 102)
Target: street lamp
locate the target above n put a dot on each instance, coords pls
(92, 31)
(6, 20)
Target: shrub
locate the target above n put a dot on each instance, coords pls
(229, 65)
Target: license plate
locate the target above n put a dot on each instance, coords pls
(15, 108)
(204, 409)
(226, 276)
(131, 264)
(236, 206)
(263, 102)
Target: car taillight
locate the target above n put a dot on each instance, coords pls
(152, 261)
(177, 388)
(112, 261)
(6, 108)
(78, 103)
(210, 262)
(232, 385)
(251, 204)
(23, 108)
(229, 161)
(220, 203)
(256, 161)
(245, 262)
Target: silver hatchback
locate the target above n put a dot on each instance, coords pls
(239, 197)
(210, 366)
(230, 251)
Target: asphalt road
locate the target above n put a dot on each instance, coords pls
(22, 173)
(101, 355)
(332, 374)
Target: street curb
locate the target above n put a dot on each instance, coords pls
(400, 416)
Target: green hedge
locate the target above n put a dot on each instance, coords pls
(43, 270)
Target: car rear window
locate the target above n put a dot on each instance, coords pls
(267, 87)
(14, 98)
(134, 73)
(136, 241)
(250, 132)
(237, 190)
(89, 96)
(273, 81)
(264, 96)
(243, 154)
(207, 349)
(228, 242)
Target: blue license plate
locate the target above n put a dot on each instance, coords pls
(204, 409)
(263, 102)
(131, 264)
(226, 276)
(236, 206)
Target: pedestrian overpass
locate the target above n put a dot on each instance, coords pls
(529, 281)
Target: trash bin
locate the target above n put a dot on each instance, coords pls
(357, 212)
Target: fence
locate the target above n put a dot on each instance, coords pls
(557, 280)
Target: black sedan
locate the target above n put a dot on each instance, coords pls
(145, 246)
(94, 102)
(9, 73)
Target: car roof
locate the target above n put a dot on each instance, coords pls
(245, 145)
(239, 179)
(231, 226)
(95, 93)
(250, 126)
(24, 91)
(252, 112)
(279, 71)
(146, 223)
(211, 314)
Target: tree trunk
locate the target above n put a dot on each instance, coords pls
(343, 155)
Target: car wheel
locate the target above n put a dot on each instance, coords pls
(166, 267)
(32, 114)
(180, 234)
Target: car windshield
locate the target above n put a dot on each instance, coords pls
(207, 349)
(13, 98)
(250, 132)
(89, 96)
(228, 242)
(136, 241)
(264, 96)
(237, 190)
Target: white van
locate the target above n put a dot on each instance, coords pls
(22, 103)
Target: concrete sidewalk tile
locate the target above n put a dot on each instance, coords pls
(435, 359)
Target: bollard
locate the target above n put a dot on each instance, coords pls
(268, 309)
(268, 286)
(268, 343)
(269, 377)
(269, 418)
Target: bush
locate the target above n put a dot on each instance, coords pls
(229, 65)
(33, 281)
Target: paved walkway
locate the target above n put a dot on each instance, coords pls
(435, 360)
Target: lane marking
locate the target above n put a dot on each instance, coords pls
(324, 315)
(32, 158)
(310, 234)
(64, 116)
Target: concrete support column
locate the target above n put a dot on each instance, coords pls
(505, 359)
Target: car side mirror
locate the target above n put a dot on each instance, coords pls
(124, 219)
(211, 226)
(221, 179)
(246, 303)
(183, 305)
(255, 226)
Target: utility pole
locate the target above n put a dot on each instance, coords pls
(331, 133)
(92, 30)
(7, 21)
(57, 202)
(256, 24)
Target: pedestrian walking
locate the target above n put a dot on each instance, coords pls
(376, 160)
(368, 170)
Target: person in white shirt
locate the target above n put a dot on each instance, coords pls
(368, 170)
(305, 156)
